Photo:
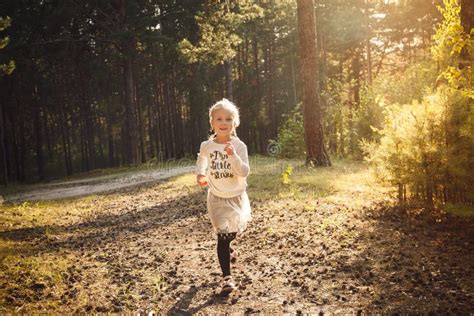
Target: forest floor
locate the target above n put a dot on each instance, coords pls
(331, 240)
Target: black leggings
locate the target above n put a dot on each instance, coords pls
(224, 251)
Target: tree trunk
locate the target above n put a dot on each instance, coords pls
(15, 147)
(110, 138)
(169, 119)
(369, 62)
(130, 106)
(356, 67)
(64, 138)
(467, 15)
(63, 121)
(293, 75)
(47, 137)
(2, 148)
(400, 194)
(38, 137)
(139, 115)
(256, 94)
(322, 55)
(156, 111)
(229, 80)
(315, 152)
(467, 21)
(367, 43)
(84, 160)
(22, 149)
(87, 119)
(163, 129)
(178, 138)
(272, 110)
(151, 131)
(197, 100)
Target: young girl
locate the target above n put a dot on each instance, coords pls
(225, 158)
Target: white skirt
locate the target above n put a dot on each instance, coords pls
(229, 215)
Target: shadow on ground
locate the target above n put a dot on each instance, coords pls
(331, 258)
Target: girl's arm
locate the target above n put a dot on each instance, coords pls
(240, 161)
(201, 163)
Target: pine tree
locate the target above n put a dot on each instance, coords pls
(315, 152)
(5, 69)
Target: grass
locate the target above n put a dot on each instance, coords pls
(42, 278)
(47, 213)
(14, 188)
(459, 210)
(345, 181)
(156, 282)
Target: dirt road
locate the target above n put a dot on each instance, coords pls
(77, 188)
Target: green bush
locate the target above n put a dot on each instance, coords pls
(368, 118)
(291, 136)
(412, 84)
(427, 144)
(424, 150)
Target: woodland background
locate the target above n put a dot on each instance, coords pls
(97, 84)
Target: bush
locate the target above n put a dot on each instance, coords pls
(424, 150)
(368, 118)
(406, 86)
(291, 136)
(427, 145)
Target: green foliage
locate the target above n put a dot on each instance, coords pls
(291, 136)
(407, 139)
(405, 86)
(454, 49)
(285, 176)
(427, 143)
(218, 26)
(459, 131)
(346, 126)
(368, 118)
(459, 210)
(5, 69)
(417, 150)
(344, 23)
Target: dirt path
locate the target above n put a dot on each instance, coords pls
(154, 251)
(77, 188)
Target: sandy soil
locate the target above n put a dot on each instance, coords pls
(323, 257)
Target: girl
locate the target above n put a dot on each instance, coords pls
(223, 165)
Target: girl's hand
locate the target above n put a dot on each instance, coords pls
(201, 180)
(229, 149)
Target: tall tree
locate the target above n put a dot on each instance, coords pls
(313, 128)
(219, 23)
(467, 15)
(467, 22)
(4, 70)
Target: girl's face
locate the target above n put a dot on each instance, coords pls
(222, 122)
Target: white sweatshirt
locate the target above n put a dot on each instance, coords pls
(227, 175)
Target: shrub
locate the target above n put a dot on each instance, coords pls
(291, 136)
(424, 150)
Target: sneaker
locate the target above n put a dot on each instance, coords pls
(228, 284)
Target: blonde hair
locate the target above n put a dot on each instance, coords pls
(228, 106)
